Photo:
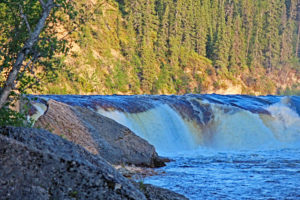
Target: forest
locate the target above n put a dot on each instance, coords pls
(169, 38)
(181, 46)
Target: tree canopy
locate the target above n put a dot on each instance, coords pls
(184, 46)
(32, 37)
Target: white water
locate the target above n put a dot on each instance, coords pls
(237, 129)
(161, 126)
(240, 130)
(285, 124)
(40, 110)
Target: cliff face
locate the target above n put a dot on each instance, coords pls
(126, 48)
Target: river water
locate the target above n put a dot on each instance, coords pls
(208, 174)
(222, 146)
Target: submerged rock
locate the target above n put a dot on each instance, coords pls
(98, 134)
(156, 193)
(136, 173)
(36, 164)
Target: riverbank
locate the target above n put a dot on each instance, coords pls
(36, 164)
(81, 155)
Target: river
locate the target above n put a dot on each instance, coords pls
(222, 146)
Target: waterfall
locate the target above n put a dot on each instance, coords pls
(183, 123)
(161, 126)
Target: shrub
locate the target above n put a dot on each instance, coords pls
(9, 117)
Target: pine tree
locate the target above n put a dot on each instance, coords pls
(247, 10)
(272, 38)
(222, 41)
(150, 69)
(200, 27)
(237, 56)
(255, 55)
(286, 52)
(162, 45)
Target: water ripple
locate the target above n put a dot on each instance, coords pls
(234, 175)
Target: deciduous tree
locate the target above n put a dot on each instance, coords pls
(32, 34)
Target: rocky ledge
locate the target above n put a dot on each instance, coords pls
(36, 164)
(98, 135)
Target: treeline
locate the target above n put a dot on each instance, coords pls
(233, 34)
(182, 46)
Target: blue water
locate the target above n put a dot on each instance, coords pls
(204, 174)
(223, 146)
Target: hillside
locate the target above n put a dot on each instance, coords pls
(185, 46)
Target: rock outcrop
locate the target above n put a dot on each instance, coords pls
(35, 164)
(98, 134)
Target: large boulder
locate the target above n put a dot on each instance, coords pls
(98, 134)
(35, 164)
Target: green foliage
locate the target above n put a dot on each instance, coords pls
(165, 46)
(10, 117)
(294, 90)
(234, 34)
(30, 48)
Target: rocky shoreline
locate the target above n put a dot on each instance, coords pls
(75, 160)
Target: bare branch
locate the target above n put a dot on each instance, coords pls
(24, 17)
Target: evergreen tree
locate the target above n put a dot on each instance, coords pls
(255, 55)
(200, 27)
(150, 68)
(286, 53)
(162, 45)
(223, 39)
(272, 37)
(237, 56)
